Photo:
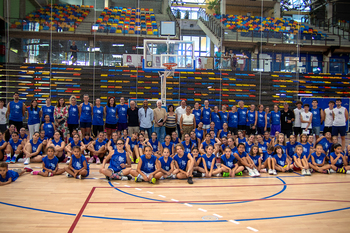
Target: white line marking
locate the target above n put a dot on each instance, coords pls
(252, 229)
(233, 221)
(202, 210)
(115, 183)
(126, 185)
(219, 216)
(138, 189)
(149, 192)
(188, 205)
(175, 200)
(162, 196)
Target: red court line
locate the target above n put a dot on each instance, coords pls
(221, 186)
(208, 201)
(76, 220)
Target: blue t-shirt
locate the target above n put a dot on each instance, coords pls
(276, 118)
(224, 118)
(122, 113)
(242, 140)
(267, 140)
(165, 165)
(281, 161)
(243, 155)
(78, 164)
(251, 118)
(50, 163)
(229, 162)
(326, 145)
(73, 114)
(318, 159)
(182, 162)
(233, 120)
(86, 141)
(291, 148)
(23, 137)
(154, 145)
(209, 161)
(215, 131)
(242, 116)
(199, 134)
(170, 146)
(111, 117)
(148, 165)
(263, 146)
(133, 144)
(248, 147)
(206, 116)
(216, 119)
(339, 161)
(197, 114)
(48, 111)
(255, 159)
(98, 145)
(223, 134)
(49, 130)
(16, 113)
(187, 147)
(306, 149)
(59, 143)
(35, 146)
(284, 148)
(97, 118)
(261, 119)
(15, 145)
(268, 119)
(33, 116)
(86, 113)
(266, 155)
(119, 158)
(72, 143)
(316, 117)
(9, 174)
(176, 141)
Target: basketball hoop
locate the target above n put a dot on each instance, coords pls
(169, 66)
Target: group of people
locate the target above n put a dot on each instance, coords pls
(229, 60)
(179, 143)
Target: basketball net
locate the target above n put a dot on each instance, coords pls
(169, 71)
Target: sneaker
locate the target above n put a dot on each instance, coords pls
(129, 177)
(27, 161)
(69, 175)
(303, 172)
(107, 177)
(197, 174)
(239, 174)
(290, 170)
(189, 180)
(8, 159)
(138, 178)
(124, 178)
(173, 176)
(13, 160)
(270, 172)
(263, 170)
(218, 175)
(308, 172)
(91, 160)
(78, 177)
(131, 159)
(274, 172)
(68, 161)
(21, 160)
(251, 172)
(27, 169)
(348, 172)
(225, 174)
(153, 181)
(137, 160)
(329, 171)
(256, 172)
(98, 161)
(35, 172)
(332, 171)
(115, 176)
(50, 174)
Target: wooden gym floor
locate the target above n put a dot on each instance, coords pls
(284, 203)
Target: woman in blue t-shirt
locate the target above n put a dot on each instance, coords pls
(34, 115)
(111, 112)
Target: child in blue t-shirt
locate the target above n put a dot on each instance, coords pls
(166, 165)
(78, 166)
(229, 164)
(50, 164)
(318, 158)
(337, 160)
(8, 176)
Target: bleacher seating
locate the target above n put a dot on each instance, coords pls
(271, 27)
(127, 21)
(56, 17)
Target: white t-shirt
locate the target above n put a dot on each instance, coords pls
(328, 122)
(3, 116)
(297, 122)
(306, 117)
(187, 119)
(180, 111)
(339, 116)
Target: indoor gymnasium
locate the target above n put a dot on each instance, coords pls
(174, 116)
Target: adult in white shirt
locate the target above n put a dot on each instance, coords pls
(297, 122)
(340, 117)
(3, 119)
(328, 122)
(187, 122)
(306, 119)
(179, 111)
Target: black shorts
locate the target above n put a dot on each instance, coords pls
(327, 129)
(250, 131)
(96, 129)
(297, 131)
(71, 127)
(242, 127)
(234, 131)
(17, 124)
(287, 132)
(111, 126)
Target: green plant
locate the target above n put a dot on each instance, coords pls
(187, 15)
(178, 14)
(214, 5)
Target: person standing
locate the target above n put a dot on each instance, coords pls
(287, 118)
(133, 118)
(179, 112)
(60, 116)
(15, 112)
(251, 120)
(122, 115)
(187, 122)
(242, 117)
(98, 113)
(306, 120)
(85, 113)
(297, 123)
(218, 56)
(145, 118)
(34, 115)
(275, 120)
(111, 113)
(73, 114)
(328, 118)
(340, 117)
(206, 113)
(197, 112)
(3, 118)
(170, 124)
(74, 49)
(47, 109)
(317, 118)
(160, 117)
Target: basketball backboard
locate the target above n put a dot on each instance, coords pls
(158, 52)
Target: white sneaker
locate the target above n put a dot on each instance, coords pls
(348, 172)
(78, 177)
(21, 160)
(270, 171)
(218, 175)
(263, 170)
(68, 161)
(274, 172)
(98, 161)
(332, 171)
(303, 172)
(250, 172)
(27, 161)
(256, 172)
(173, 176)
(308, 172)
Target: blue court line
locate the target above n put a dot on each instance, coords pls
(293, 216)
(298, 174)
(283, 189)
(244, 177)
(152, 220)
(29, 208)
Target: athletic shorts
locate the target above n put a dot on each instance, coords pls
(274, 129)
(339, 130)
(122, 126)
(316, 130)
(146, 174)
(111, 126)
(85, 124)
(206, 126)
(297, 131)
(327, 129)
(73, 126)
(96, 129)
(233, 130)
(242, 127)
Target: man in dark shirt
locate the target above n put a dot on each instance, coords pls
(133, 118)
(287, 118)
(74, 49)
